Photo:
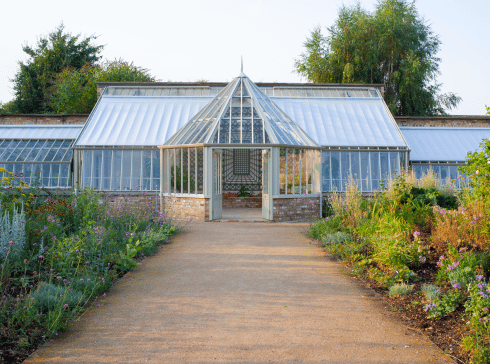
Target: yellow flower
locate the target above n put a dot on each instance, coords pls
(14, 199)
(27, 204)
(10, 173)
(30, 194)
(18, 187)
(5, 179)
(3, 170)
(23, 195)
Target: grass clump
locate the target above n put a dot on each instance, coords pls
(431, 292)
(400, 289)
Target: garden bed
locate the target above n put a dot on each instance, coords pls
(59, 252)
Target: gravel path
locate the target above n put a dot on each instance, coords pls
(239, 293)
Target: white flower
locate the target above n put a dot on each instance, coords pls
(477, 172)
(488, 161)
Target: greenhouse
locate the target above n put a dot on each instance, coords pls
(40, 155)
(442, 150)
(243, 133)
(203, 148)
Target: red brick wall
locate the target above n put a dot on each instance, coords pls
(187, 208)
(64, 119)
(296, 209)
(240, 202)
(467, 121)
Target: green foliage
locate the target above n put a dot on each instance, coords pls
(393, 46)
(52, 53)
(446, 304)
(75, 89)
(243, 192)
(325, 226)
(50, 297)
(400, 289)
(477, 167)
(431, 292)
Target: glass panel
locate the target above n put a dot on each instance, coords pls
(365, 172)
(258, 130)
(385, 167)
(200, 171)
(64, 175)
(27, 150)
(55, 175)
(335, 168)
(35, 150)
(375, 171)
(45, 149)
(326, 166)
(345, 169)
(116, 170)
(355, 169)
(156, 170)
(136, 171)
(35, 179)
(52, 151)
(146, 170)
(394, 164)
(282, 171)
(17, 151)
(27, 171)
(185, 178)
(86, 168)
(97, 169)
(192, 170)
(65, 145)
(46, 169)
(290, 170)
(106, 170)
(126, 170)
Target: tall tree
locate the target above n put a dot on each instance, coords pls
(393, 46)
(74, 90)
(52, 53)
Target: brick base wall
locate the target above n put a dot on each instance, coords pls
(296, 209)
(241, 202)
(461, 121)
(43, 119)
(187, 208)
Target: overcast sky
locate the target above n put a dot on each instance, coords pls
(190, 40)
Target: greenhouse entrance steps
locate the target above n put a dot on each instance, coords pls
(239, 293)
(242, 214)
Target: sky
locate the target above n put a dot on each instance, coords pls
(190, 40)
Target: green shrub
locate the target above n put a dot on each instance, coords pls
(49, 296)
(431, 292)
(400, 289)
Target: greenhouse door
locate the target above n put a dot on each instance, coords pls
(217, 202)
(266, 185)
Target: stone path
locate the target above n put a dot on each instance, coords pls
(227, 292)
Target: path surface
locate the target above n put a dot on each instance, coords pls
(239, 293)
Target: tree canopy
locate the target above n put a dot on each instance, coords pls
(74, 91)
(52, 53)
(393, 46)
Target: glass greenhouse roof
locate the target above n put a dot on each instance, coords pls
(35, 151)
(241, 114)
(443, 144)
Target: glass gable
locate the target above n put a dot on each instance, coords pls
(241, 114)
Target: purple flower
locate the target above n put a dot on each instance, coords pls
(428, 307)
(422, 259)
(416, 234)
(485, 309)
(483, 294)
(11, 243)
(66, 305)
(479, 277)
(457, 285)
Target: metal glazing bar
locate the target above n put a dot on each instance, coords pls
(189, 170)
(241, 109)
(196, 181)
(252, 117)
(175, 168)
(181, 170)
(307, 152)
(286, 169)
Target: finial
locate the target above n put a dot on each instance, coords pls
(242, 64)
